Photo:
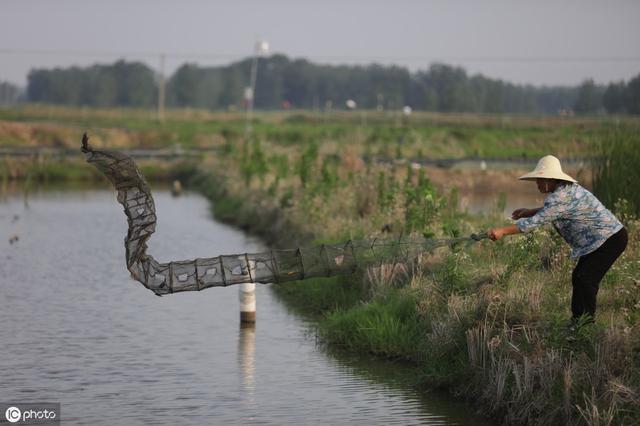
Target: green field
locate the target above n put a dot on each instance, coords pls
(384, 134)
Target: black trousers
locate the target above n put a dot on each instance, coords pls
(590, 270)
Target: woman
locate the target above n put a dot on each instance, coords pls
(596, 237)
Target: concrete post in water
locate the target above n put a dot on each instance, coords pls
(176, 188)
(247, 296)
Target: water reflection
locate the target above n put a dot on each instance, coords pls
(404, 380)
(501, 203)
(246, 358)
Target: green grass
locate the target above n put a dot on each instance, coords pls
(387, 326)
(617, 175)
(317, 296)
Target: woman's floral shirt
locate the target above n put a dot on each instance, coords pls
(578, 216)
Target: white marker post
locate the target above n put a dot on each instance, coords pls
(247, 296)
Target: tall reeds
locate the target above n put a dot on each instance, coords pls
(617, 169)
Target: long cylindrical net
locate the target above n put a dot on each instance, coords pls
(274, 266)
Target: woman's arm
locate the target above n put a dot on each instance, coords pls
(496, 233)
(520, 213)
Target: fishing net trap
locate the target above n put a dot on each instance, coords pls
(273, 266)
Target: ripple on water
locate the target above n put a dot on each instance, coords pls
(78, 330)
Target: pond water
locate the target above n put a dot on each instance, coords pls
(501, 204)
(77, 330)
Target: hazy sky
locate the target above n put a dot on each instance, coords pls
(537, 41)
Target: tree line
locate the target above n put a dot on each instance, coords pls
(297, 83)
(9, 93)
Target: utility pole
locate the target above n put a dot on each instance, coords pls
(161, 90)
(247, 291)
(261, 48)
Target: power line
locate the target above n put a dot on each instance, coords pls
(497, 58)
(108, 53)
(203, 55)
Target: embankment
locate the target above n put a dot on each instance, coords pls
(487, 324)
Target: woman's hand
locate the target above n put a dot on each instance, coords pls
(496, 233)
(519, 213)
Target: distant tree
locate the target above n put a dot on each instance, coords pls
(452, 88)
(489, 94)
(184, 85)
(518, 99)
(613, 98)
(554, 99)
(136, 84)
(298, 83)
(303, 84)
(270, 82)
(589, 99)
(37, 83)
(236, 78)
(100, 88)
(388, 86)
(632, 98)
(9, 93)
(123, 84)
(210, 88)
(54, 86)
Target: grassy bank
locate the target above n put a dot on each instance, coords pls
(487, 322)
(55, 169)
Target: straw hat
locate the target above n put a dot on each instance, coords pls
(548, 168)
